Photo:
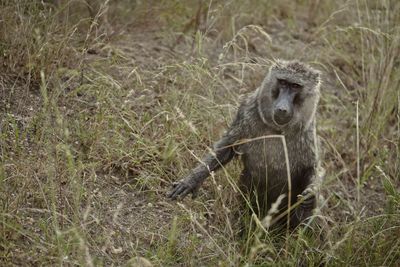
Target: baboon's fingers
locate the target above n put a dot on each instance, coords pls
(308, 192)
(307, 198)
(171, 194)
(308, 203)
(176, 183)
(175, 191)
(179, 191)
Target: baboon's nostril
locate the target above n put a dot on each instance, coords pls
(282, 111)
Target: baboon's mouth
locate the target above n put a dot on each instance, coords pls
(281, 120)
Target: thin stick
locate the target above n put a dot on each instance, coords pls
(358, 153)
(289, 189)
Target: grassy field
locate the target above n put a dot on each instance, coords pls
(103, 104)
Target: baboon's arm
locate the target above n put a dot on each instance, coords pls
(222, 153)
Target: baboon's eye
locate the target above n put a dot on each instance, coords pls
(283, 82)
(296, 86)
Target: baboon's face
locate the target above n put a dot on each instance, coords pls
(289, 95)
(285, 96)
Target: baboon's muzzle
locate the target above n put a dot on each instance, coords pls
(282, 117)
(283, 108)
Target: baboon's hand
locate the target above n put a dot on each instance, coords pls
(307, 205)
(308, 197)
(182, 188)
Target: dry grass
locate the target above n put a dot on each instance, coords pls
(104, 103)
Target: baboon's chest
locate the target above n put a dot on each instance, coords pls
(268, 159)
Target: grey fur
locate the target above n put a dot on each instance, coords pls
(264, 176)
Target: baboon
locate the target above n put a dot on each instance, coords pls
(284, 105)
